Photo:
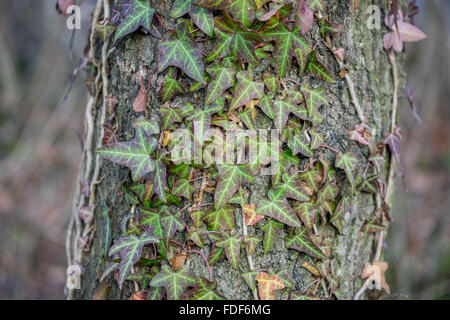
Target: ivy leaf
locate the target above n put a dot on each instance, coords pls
(232, 246)
(134, 154)
(158, 178)
(317, 69)
(292, 189)
(243, 11)
(342, 208)
(267, 285)
(251, 242)
(175, 282)
(222, 46)
(202, 120)
(236, 40)
(270, 229)
(312, 178)
(314, 98)
(170, 88)
(221, 219)
(401, 32)
(301, 242)
(139, 15)
(202, 17)
(170, 115)
(304, 17)
(181, 7)
(394, 140)
(278, 208)
(369, 185)
(247, 90)
(251, 218)
(328, 192)
(316, 5)
(347, 162)
(287, 41)
(130, 249)
(316, 139)
(307, 213)
(300, 144)
(249, 278)
(183, 188)
(105, 31)
(183, 52)
(271, 82)
(231, 177)
(216, 255)
(152, 219)
(222, 78)
(149, 127)
(204, 290)
(266, 105)
(171, 223)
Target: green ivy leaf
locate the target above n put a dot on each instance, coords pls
(287, 41)
(171, 223)
(347, 162)
(183, 188)
(105, 31)
(300, 144)
(158, 178)
(247, 90)
(231, 177)
(243, 11)
(278, 208)
(292, 189)
(183, 52)
(129, 249)
(202, 17)
(328, 192)
(170, 88)
(266, 105)
(175, 282)
(220, 219)
(317, 69)
(134, 154)
(170, 115)
(272, 83)
(222, 78)
(300, 241)
(232, 246)
(307, 213)
(314, 98)
(202, 120)
(249, 278)
(316, 5)
(152, 219)
(139, 15)
(203, 290)
(270, 230)
(312, 178)
(316, 139)
(216, 255)
(234, 39)
(150, 127)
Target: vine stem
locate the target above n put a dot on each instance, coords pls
(390, 183)
(206, 261)
(350, 85)
(249, 257)
(76, 252)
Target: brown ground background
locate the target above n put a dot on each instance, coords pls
(40, 151)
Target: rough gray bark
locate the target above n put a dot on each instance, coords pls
(371, 74)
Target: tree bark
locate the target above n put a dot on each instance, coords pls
(371, 74)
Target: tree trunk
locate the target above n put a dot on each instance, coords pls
(370, 71)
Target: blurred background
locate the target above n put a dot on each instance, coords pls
(40, 151)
